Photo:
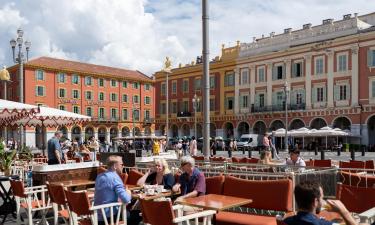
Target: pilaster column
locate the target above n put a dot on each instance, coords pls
(236, 90)
(252, 85)
(308, 80)
(269, 84)
(329, 90)
(354, 87)
(288, 72)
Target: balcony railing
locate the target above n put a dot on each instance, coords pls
(278, 108)
(106, 119)
(184, 114)
(148, 120)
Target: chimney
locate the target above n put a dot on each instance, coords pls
(307, 26)
(287, 30)
(327, 21)
(347, 16)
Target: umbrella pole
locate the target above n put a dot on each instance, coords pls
(43, 140)
(326, 142)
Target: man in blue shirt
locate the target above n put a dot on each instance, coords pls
(55, 154)
(109, 187)
(309, 199)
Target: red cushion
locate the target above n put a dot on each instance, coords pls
(356, 199)
(133, 177)
(232, 218)
(266, 194)
(214, 185)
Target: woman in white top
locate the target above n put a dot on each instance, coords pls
(193, 146)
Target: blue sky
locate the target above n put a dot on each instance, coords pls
(138, 34)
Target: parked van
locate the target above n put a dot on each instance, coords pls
(252, 141)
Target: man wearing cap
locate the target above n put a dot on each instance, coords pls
(55, 154)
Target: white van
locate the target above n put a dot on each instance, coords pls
(248, 141)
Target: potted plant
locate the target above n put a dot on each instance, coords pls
(6, 159)
(25, 153)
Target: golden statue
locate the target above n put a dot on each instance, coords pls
(167, 65)
(4, 74)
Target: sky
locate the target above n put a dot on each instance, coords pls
(139, 34)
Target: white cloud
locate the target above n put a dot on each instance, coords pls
(138, 34)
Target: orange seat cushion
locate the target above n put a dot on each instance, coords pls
(233, 218)
(34, 204)
(133, 177)
(214, 185)
(64, 213)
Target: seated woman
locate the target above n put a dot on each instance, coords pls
(266, 158)
(159, 174)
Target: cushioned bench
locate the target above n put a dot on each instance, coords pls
(274, 195)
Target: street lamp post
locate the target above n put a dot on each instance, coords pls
(167, 69)
(196, 101)
(286, 91)
(20, 59)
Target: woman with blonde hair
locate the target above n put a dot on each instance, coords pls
(266, 158)
(159, 174)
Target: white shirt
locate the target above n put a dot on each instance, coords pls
(299, 162)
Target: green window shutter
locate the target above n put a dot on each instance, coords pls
(324, 94)
(274, 96)
(241, 100)
(369, 58)
(303, 95)
(36, 90)
(256, 103)
(284, 71)
(274, 73)
(313, 97)
(348, 92)
(294, 69)
(336, 92)
(293, 97)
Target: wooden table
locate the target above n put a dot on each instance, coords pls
(151, 197)
(215, 202)
(75, 183)
(133, 187)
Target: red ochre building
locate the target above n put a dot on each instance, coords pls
(329, 70)
(118, 100)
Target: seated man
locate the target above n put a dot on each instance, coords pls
(192, 182)
(309, 199)
(109, 187)
(295, 160)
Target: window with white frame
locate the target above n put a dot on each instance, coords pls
(113, 97)
(163, 89)
(101, 113)
(135, 99)
(75, 79)
(212, 82)
(343, 92)
(101, 82)
(279, 98)
(261, 74)
(62, 92)
(101, 96)
(342, 62)
(135, 85)
(297, 69)
(278, 72)
(136, 114)
(147, 87)
(162, 108)
(88, 111)
(320, 94)
(88, 95)
(75, 94)
(147, 114)
(40, 91)
(244, 101)
(197, 84)
(113, 113)
(113, 83)
(319, 65)
(62, 107)
(229, 79)
(125, 98)
(39, 74)
(61, 77)
(76, 109)
(229, 103)
(299, 98)
(261, 100)
(124, 84)
(88, 81)
(147, 100)
(185, 86)
(174, 87)
(244, 78)
(124, 114)
(371, 57)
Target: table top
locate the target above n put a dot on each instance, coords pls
(75, 183)
(215, 202)
(151, 197)
(133, 187)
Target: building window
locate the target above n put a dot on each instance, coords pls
(40, 91)
(163, 89)
(261, 75)
(371, 58)
(299, 98)
(147, 114)
(320, 94)
(174, 87)
(75, 79)
(113, 83)
(174, 107)
(125, 98)
(88, 81)
(244, 78)
(212, 104)
(197, 84)
(101, 96)
(212, 82)
(341, 92)
(62, 93)
(61, 77)
(124, 114)
(229, 79)
(62, 107)
(113, 113)
(124, 84)
(88, 95)
(88, 111)
(185, 86)
(76, 109)
(147, 100)
(75, 94)
(135, 85)
(342, 63)
(297, 69)
(39, 74)
(373, 88)
(278, 72)
(279, 98)
(162, 108)
(244, 101)
(135, 99)
(261, 100)
(229, 103)
(101, 113)
(319, 66)
(136, 115)
(101, 82)
(147, 87)
(113, 97)
(185, 106)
